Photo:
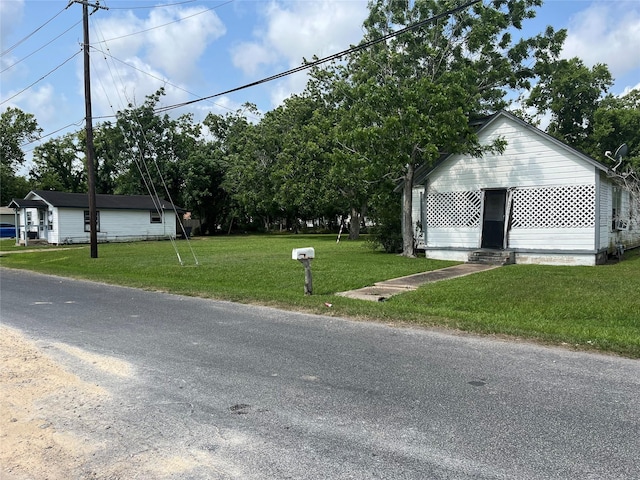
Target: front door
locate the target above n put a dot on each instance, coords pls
(493, 219)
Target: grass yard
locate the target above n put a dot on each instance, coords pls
(583, 307)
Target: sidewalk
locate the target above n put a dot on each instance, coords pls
(380, 291)
(33, 250)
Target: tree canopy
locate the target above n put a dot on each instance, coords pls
(343, 147)
(16, 129)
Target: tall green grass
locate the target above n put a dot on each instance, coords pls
(584, 307)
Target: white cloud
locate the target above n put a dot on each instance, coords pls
(42, 101)
(308, 28)
(251, 56)
(177, 47)
(11, 14)
(138, 64)
(629, 89)
(606, 32)
(283, 89)
(117, 34)
(295, 30)
(115, 86)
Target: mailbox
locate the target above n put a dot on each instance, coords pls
(303, 253)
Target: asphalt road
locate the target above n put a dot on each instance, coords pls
(257, 393)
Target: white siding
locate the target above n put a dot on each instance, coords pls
(605, 214)
(629, 212)
(529, 160)
(451, 255)
(54, 231)
(533, 162)
(115, 226)
(453, 237)
(552, 239)
(416, 214)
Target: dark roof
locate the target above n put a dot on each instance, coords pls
(105, 202)
(22, 203)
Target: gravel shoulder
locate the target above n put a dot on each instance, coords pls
(31, 383)
(55, 425)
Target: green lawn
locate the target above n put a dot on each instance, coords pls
(583, 307)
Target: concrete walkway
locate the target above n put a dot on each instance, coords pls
(380, 291)
(33, 250)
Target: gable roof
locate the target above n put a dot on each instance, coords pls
(424, 171)
(24, 203)
(81, 200)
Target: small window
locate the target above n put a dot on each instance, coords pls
(155, 216)
(87, 221)
(616, 203)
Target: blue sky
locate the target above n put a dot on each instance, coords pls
(201, 48)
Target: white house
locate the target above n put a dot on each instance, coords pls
(60, 217)
(540, 200)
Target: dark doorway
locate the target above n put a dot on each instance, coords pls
(493, 219)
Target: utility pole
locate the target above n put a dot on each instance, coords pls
(91, 165)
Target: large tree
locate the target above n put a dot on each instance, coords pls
(617, 121)
(144, 152)
(16, 129)
(412, 97)
(570, 92)
(57, 165)
(247, 176)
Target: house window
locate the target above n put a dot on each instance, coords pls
(616, 208)
(87, 221)
(155, 216)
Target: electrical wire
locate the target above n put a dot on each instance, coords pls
(41, 78)
(166, 24)
(153, 6)
(141, 163)
(11, 48)
(335, 56)
(40, 137)
(306, 66)
(164, 80)
(45, 45)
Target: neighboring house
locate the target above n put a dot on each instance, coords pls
(59, 217)
(7, 215)
(540, 199)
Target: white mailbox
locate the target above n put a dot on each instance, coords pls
(303, 253)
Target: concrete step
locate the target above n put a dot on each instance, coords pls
(492, 257)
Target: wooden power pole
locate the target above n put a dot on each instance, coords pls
(91, 165)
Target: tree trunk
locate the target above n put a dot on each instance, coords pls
(354, 226)
(407, 204)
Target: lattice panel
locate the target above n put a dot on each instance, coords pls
(453, 209)
(571, 206)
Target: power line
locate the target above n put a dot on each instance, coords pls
(165, 24)
(320, 61)
(8, 50)
(300, 68)
(77, 124)
(40, 79)
(150, 184)
(164, 80)
(45, 45)
(164, 5)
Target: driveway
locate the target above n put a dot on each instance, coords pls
(151, 385)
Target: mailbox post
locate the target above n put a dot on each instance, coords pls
(304, 256)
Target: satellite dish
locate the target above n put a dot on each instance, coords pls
(621, 151)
